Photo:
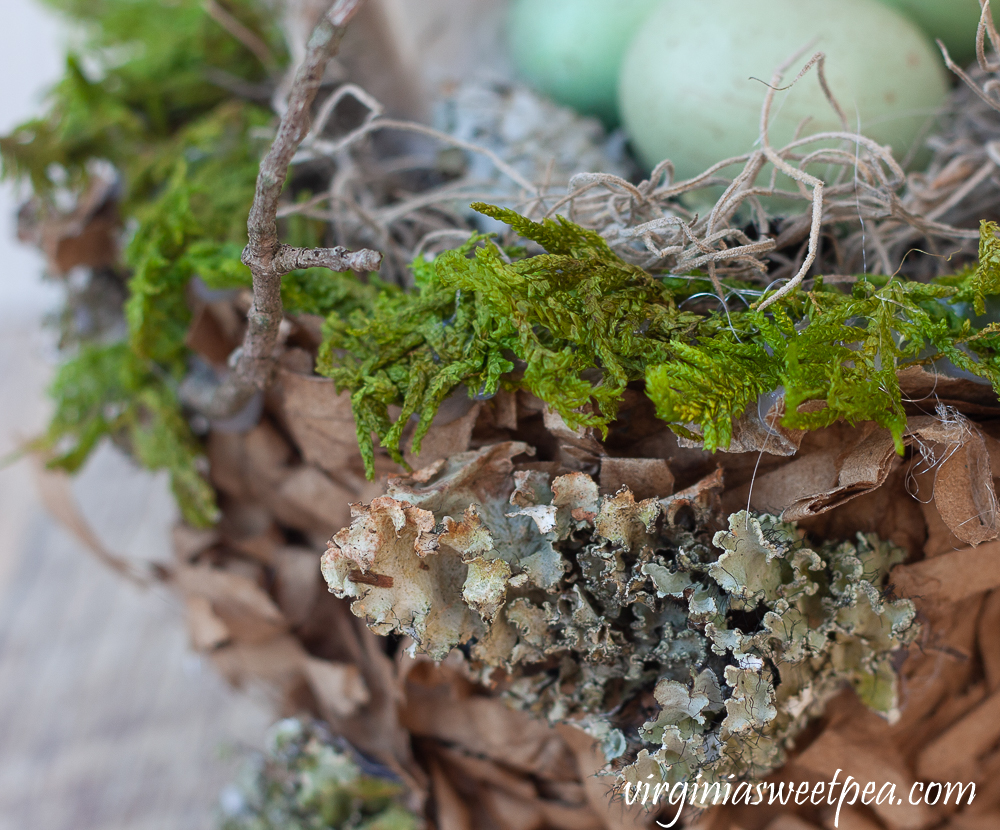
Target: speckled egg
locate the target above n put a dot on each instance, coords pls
(953, 21)
(572, 50)
(693, 79)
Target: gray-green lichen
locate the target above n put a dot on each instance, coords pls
(303, 782)
(682, 650)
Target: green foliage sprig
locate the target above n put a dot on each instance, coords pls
(109, 390)
(824, 345)
(144, 71)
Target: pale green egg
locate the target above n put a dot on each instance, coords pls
(571, 50)
(953, 21)
(693, 79)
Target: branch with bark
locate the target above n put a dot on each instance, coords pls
(265, 255)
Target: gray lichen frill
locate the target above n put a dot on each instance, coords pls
(681, 650)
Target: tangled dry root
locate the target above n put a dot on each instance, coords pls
(853, 208)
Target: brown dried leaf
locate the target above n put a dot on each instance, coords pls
(841, 463)
(511, 812)
(963, 480)
(339, 687)
(88, 235)
(645, 477)
(439, 706)
(890, 512)
(447, 435)
(206, 629)
(243, 606)
(504, 408)
(838, 464)
(850, 819)
(188, 542)
(249, 465)
(208, 338)
(983, 821)
(260, 547)
(952, 754)
(267, 455)
(599, 789)
(989, 640)
(562, 816)
(450, 810)
(485, 771)
(791, 822)
(952, 576)
(917, 384)
(866, 761)
(225, 461)
(311, 501)
(580, 448)
(951, 709)
(298, 579)
(322, 424)
(938, 668)
(275, 666)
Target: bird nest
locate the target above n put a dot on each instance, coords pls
(539, 617)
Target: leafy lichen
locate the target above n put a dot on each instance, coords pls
(304, 782)
(590, 605)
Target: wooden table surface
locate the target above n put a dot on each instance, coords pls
(107, 720)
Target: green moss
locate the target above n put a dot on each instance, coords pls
(576, 324)
(111, 391)
(140, 94)
(986, 280)
(479, 319)
(843, 349)
(144, 72)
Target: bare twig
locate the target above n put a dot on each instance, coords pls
(267, 258)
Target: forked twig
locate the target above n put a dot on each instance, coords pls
(265, 255)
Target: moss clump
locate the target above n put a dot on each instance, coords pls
(144, 72)
(481, 318)
(140, 94)
(576, 324)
